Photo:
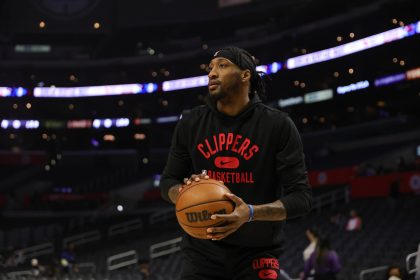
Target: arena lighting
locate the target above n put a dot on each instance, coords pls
(89, 91)
(108, 123)
(13, 91)
(77, 124)
(94, 142)
(413, 74)
(201, 81)
(318, 96)
(391, 79)
(140, 121)
(139, 136)
(274, 67)
(156, 180)
(262, 68)
(17, 124)
(353, 87)
(5, 124)
(32, 48)
(290, 101)
(193, 82)
(109, 137)
(167, 119)
(355, 46)
(270, 68)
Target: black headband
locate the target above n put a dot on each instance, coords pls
(241, 59)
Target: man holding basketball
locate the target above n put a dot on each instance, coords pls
(257, 152)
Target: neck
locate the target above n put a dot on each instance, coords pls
(233, 105)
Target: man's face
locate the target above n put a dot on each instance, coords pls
(224, 78)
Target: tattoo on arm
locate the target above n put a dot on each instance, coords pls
(274, 211)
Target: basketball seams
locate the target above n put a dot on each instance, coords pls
(194, 184)
(210, 198)
(206, 202)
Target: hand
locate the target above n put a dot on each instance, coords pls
(174, 191)
(195, 178)
(234, 220)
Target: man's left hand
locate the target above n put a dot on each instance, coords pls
(234, 220)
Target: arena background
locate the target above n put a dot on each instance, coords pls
(91, 90)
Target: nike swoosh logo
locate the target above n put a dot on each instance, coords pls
(226, 162)
(268, 274)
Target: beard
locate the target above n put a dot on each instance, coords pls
(218, 94)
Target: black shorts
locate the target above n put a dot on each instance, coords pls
(214, 260)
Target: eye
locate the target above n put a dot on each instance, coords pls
(208, 69)
(222, 65)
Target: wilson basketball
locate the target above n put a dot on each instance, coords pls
(197, 202)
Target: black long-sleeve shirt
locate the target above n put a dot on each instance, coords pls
(257, 154)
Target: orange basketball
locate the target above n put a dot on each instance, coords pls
(197, 202)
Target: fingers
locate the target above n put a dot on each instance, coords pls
(218, 233)
(234, 198)
(226, 217)
(196, 178)
(187, 181)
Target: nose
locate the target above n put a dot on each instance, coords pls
(212, 74)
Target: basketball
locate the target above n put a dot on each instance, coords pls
(197, 202)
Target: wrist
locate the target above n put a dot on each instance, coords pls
(174, 193)
(251, 213)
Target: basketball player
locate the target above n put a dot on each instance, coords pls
(257, 152)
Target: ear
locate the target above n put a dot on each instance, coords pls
(246, 75)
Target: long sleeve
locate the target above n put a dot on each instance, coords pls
(309, 265)
(178, 165)
(297, 195)
(334, 260)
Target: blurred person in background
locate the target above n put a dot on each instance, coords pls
(68, 259)
(144, 268)
(394, 273)
(324, 263)
(354, 223)
(312, 235)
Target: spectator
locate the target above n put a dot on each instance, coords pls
(355, 222)
(67, 259)
(37, 269)
(324, 261)
(394, 273)
(144, 269)
(312, 235)
(16, 258)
